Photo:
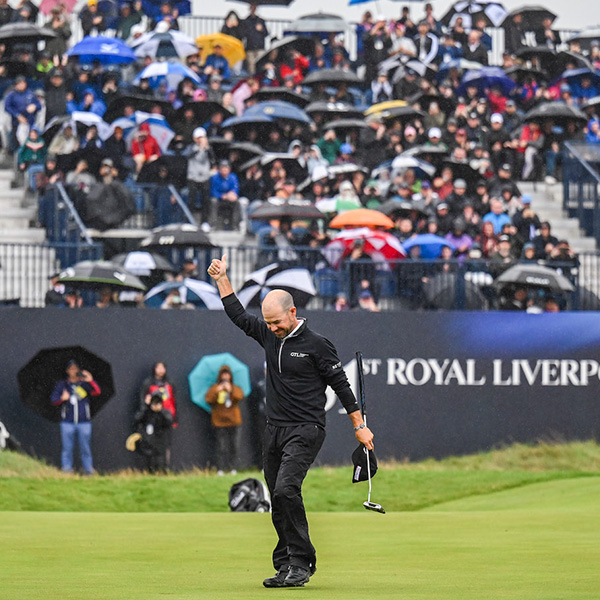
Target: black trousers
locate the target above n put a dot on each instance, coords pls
(227, 442)
(288, 453)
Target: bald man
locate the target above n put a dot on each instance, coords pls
(300, 365)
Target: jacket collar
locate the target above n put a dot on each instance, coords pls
(297, 330)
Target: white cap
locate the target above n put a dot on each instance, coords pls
(496, 118)
(319, 172)
(435, 132)
(162, 27)
(380, 17)
(199, 132)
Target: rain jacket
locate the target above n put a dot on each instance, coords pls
(299, 368)
(225, 407)
(77, 409)
(16, 103)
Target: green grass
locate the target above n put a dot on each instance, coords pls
(521, 523)
(29, 485)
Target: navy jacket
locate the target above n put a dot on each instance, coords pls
(299, 368)
(77, 409)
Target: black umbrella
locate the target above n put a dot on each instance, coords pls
(106, 206)
(533, 17)
(521, 74)
(295, 280)
(176, 236)
(586, 37)
(142, 263)
(292, 208)
(38, 378)
(117, 107)
(440, 292)
(347, 124)
(462, 170)
(290, 163)
(434, 155)
(395, 208)
(318, 23)
(540, 52)
(404, 113)
(332, 77)
(565, 59)
(24, 32)
(334, 109)
(266, 94)
(557, 112)
(244, 151)
(491, 11)
(447, 105)
(203, 111)
(95, 274)
(304, 45)
(92, 154)
(595, 101)
(345, 169)
(533, 275)
(176, 168)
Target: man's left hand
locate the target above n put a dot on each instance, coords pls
(86, 376)
(365, 437)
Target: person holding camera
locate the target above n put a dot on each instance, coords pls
(153, 425)
(224, 398)
(73, 396)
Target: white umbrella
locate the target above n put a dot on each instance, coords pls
(169, 44)
(190, 290)
(401, 163)
(173, 72)
(159, 129)
(89, 119)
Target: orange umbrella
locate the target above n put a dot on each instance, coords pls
(361, 217)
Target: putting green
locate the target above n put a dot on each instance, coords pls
(539, 542)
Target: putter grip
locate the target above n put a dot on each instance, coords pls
(361, 382)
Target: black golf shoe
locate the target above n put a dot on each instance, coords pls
(296, 577)
(278, 580)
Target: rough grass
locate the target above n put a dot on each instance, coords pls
(30, 485)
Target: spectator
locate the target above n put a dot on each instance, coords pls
(377, 44)
(514, 36)
(144, 147)
(55, 296)
(131, 14)
(56, 47)
(158, 382)
(92, 22)
(216, 63)
(427, 43)
(73, 395)
(168, 14)
(232, 25)
(201, 160)
(503, 258)
(80, 179)
(22, 105)
(6, 12)
(153, 427)
(546, 36)
(255, 33)
(224, 190)
(224, 398)
(32, 152)
(474, 49)
(496, 216)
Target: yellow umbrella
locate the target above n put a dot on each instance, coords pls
(233, 49)
(377, 108)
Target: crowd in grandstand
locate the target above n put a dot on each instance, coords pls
(413, 122)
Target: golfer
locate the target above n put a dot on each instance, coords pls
(300, 365)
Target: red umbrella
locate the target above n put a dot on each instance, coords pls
(47, 5)
(379, 245)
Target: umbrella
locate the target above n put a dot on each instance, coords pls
(277, 109)
(379, 245)
(447, 105)
(267, 94)
(192, 291)
(159, 129)
(486, 78)
(334, 109)
(521, 74)
(88, 119)
(290, 163)
(224, 148)
(346, 124)
(332, 77)
(143, 263)
(304, 45)
(80, 121)
(574, 76)
(430, 244)
(493, 12)
(94, 274)
(462, 64)
(462, 170)
(151, 8)
(250, 121)
(380, 106)
(395, 207)
(203, 111)
(171, 71)
(410, 162)
(337, 204)
(361, 217)
(175, 165)
(428, 71)
(345, 169)
(401, 112)
(24, 33)
(233, 49)
(317, 23)
(204, 375)
(107, 51)
(557, 112)
(40, 375)
(595, 101)
(440, 292)
(431, 154)
(107, 205)
(295, 280)
(276, 208)
(533, 17)
(47, 5)
(566, 58)
(586, 37)
(171, 44)
(147, 104)
(532, 275)
(176, 236)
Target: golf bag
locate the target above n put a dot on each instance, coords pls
(249, 495)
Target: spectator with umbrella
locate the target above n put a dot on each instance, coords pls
(201, 161)
(131, 14)
(57, 46)
(144, 147)
(73, 395)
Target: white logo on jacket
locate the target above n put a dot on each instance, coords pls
(299, 354)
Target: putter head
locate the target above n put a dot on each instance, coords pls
(374, 506)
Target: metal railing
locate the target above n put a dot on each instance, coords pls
(581, 185)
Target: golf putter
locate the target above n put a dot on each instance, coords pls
(363, 405)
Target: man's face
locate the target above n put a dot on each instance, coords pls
(224, 170)
(280, 322)
(72, 371)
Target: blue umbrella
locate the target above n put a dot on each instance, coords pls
(246, 119)
(486, 78)
(278, 109)
(430, 244)
(204, 374)
(192, 291)
(574, 76)
(171, 71)
(107, 51)
(151, 8)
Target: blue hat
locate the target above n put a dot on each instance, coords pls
(346, 149)
(525, 199)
